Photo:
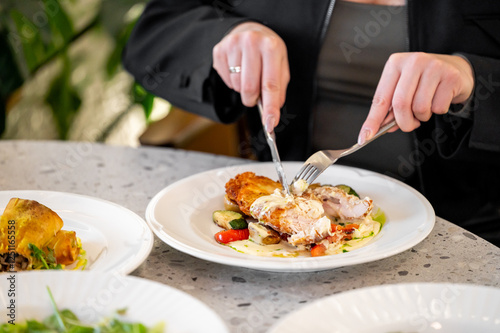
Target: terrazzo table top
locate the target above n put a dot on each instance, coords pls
(247, 300)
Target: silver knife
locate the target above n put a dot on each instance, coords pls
(271, 141)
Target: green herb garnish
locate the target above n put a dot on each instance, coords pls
(43, 260)
(65, 321)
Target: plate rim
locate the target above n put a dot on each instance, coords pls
(269, 264)
(146, 247)
(394, 287)
(38, 276)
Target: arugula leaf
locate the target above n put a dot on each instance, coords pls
(43, 260)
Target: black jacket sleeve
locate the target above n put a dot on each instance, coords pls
(170, 54)
(485, 106)
(470, 28)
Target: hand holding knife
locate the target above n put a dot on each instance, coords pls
(271, 141)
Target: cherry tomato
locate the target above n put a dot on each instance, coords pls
(231, 235)
(318, 250)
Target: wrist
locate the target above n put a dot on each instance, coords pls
(467, 74)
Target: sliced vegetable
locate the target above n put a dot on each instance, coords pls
(238, 224)
(318, 250)
(347, 189)
(262, 234)
(223, 218)
(231, 235)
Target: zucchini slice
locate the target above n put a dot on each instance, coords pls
(223, 219)
(347, 189)
(262, 234)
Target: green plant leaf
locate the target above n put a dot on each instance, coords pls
(63, 99)
(28, 38)
(115, 59)
(144, 98)
(61, 27)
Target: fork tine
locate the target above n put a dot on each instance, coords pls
(301, 172)
(306, 172)
(312, 177)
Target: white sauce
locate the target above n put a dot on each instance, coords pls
(362, 236)
(282, 249)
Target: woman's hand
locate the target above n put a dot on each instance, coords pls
(416, 85)
(262, 56)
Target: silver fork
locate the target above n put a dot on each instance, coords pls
(321, 160)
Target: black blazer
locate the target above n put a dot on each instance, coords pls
(170, 54)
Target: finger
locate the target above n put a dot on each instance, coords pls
(402, 100)
(442, 99)
(271, 85)
(422, 101)
(251, 76)
(285, 79)
(381, 102)
(234, 59)
(390, 117)
(221, 65)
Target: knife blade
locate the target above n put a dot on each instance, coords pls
(271, 141)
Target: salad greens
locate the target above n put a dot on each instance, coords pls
(47, 260)
(65, 321)
(43, 260)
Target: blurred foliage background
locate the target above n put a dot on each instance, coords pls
(61, 75)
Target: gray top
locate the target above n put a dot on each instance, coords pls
(247, 300)
(359, 40)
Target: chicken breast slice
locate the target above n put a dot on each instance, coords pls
(302, 219)
(338, 204)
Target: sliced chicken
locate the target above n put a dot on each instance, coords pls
(302, 219)
(339, 204)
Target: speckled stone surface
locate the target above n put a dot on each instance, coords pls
(247, 300)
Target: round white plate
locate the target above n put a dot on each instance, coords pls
(93, 296)
(114, 238)
(181, 216)
(400, 308)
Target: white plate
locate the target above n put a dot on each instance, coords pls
(400, 308)
(114, 238)
(95, 295)
(181, 216)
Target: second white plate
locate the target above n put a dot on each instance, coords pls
(181, 216)
(400, 308)
(94, 296)
(114, 238)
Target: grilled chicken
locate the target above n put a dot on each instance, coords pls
(305, 218)
(246, 187)
(302, 219)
